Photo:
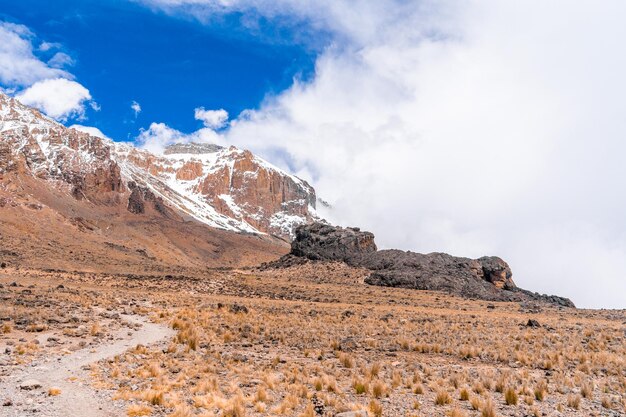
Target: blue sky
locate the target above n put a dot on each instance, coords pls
(125, 52)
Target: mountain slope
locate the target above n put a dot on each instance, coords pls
(69, 200)
(231, 189)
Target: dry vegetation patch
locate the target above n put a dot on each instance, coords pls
(301, 345)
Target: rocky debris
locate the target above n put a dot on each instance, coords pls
(532, 323)
(321, 241)
(238, 308)
(30, 384)
(486, 278)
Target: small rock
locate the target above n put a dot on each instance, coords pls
(236, 308)
(532, 323)
(30, 384)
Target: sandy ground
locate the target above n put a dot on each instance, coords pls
(70, 375)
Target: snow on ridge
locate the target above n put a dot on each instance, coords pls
(136, 163)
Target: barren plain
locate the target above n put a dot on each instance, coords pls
(309, 340)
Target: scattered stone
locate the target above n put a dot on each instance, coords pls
(532, 323)
(237, 308)
(30, 384)
(318, 405)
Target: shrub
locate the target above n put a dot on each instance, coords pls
(443, 398)
(378, 389)
(573, 401)
(510, 396)
(540, 390)
(376, 408)
(488, 409)
(464, 395)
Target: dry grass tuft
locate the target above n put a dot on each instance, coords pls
(136, 410)
(443, 398)
(510, 396)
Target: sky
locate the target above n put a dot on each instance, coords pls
(468, 127)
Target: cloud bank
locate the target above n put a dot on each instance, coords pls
(467, 127)
(44, 85)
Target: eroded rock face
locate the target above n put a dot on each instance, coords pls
(247, 193)
(32, 144)
(142, 199)
(487, 278)
(227, 188)
(320, 241)
(496, 271)
(259, 194)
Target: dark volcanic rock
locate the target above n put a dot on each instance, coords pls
(138, 198)
(438, 272)
(487, 278)
(320, 241)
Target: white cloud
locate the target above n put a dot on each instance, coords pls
(214, 119)
(136, 107)
(46, 46)
(467, 127)
(45, 85)
(59, 98)
(158, 136)
(60, 60)
(93, 131)
(18, 65)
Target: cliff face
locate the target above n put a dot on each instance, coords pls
(226, 188)
(31, 144)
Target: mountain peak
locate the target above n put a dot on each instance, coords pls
(192, 148)
(226, 188)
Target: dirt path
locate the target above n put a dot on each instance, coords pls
(77, 398)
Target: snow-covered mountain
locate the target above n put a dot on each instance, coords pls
(226, 188)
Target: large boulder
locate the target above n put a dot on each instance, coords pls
(321, 241)
(483, 278)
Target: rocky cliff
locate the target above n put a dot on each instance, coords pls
(487, 278)
(226, 188)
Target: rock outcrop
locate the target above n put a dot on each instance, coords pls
(487, 278)
(321, 241)
(142, 199)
